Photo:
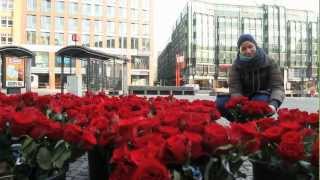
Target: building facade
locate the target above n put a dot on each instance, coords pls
(206, 35)
(118, 27)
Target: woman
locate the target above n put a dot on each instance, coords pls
(255, 75)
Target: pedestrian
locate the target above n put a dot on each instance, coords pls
(255, 75)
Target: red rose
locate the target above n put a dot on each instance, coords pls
(313, 118)
(151, 170)
(291, 147)
(265, 123)
(88, 140)
(253, 145)
(195, 122)
(72, 133)
(273, 133)
(196, 144)
(175, 150)
(290, 126)
(215, 135)
(154, 138)
(291, 151)
(55, 131)
(122, 171)
(291, 136)
(168, 131)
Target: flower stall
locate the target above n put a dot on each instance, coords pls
(130, 137)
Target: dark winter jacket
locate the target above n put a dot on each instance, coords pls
(261, 74)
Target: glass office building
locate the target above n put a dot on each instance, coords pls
(206, 35)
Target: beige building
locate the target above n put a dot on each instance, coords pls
(119, 27)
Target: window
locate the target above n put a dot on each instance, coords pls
(140, 62)
(73, 25)
(123, 13)
(123, 42)
(86, 26)
(146, 16)
(59, 23)
(31, 5)
(41, 60)
(98, 41)
(85, 40)
(73, 8)
(45, 6)
(110, 12)
(134, 29)
(59, 6)
(134, 43)
(86, 9)
(134, 14)
(110, 27)
(6, 38)
(58, 39)
(97, 10)
(123, 28)
(135, 4)
(31, 37)
(6, 5)
(98, 27)
(6, 21)
(122, 3)
(110, 42)
(145, 44)
(67, 61)
(70, 41)
(44, 38)
(45, 23)
(111, 2)
(145, 4)
(3, 38)
(145, 29)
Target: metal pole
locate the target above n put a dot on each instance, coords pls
(28, 73)
(62, 75)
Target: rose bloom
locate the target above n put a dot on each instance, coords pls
(273, 133)
(215, 135)
(151, 170)
(291, 147)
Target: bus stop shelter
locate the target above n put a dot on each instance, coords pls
(103, 71)
(21, 53)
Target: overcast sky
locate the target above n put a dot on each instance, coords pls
(167, 11)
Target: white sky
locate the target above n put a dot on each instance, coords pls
(167, 12)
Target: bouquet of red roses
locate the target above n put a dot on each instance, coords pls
(242, 109)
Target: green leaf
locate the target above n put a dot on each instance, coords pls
(58, 117)
(26, 142)
(29, 146)
(48, 112)
(44, 158)
(60, 160)
(176, 175)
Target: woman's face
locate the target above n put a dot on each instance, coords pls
(248, 49)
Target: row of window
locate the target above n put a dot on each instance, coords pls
(88, 7)
(44, 38)
(99, 26)
(42, 61)
(6, 5)
(5, 38)
(6, 21)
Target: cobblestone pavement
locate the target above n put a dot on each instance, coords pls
(79, 169)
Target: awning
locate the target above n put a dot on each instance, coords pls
(84, 52)
(17, 51)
